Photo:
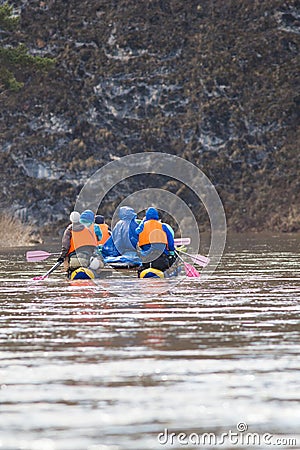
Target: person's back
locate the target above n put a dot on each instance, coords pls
(102, 230)
(156, 242)
(151, 232)
(123, 238)
(78, 242)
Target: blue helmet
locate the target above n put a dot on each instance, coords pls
(87, 217)
(152, 213)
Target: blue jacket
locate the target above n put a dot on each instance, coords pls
(123, 238)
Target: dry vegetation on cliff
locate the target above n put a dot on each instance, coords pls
(215, 82)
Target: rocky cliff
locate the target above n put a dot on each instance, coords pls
(213, 81)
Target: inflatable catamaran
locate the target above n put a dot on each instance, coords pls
(127, 264)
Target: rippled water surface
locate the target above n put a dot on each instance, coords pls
(110, 365)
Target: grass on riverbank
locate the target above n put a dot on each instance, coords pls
(14, 233)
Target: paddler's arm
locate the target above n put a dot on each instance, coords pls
(98, 232)
(140, 228)
(65, 244)
(171, 245)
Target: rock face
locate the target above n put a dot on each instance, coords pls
(213, 81)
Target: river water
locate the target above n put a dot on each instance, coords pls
(116, 365)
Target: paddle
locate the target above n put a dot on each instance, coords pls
(37, 255)
(42, 277)
(190, 270)
(182, 241)
(197, 259)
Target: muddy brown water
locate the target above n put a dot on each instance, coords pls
(116, 365)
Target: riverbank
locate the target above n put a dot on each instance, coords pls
(16, 233)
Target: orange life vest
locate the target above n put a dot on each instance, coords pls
(152, 233)
(82, 238)
(105, 234)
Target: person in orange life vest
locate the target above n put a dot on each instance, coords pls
(79, 242)
(156, 242)
(102, 230)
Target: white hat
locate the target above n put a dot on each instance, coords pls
(74, 217)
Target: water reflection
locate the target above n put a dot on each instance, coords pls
(114, 362)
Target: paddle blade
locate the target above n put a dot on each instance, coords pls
(197, 259)
(37, 255)
(182, 241)
(191, 271)
(200, 260)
